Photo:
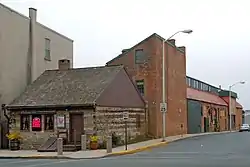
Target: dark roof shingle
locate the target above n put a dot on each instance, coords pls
(68, 87)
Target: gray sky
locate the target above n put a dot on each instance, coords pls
(217, 51)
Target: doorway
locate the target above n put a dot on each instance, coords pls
(77, 126)
(206, 124)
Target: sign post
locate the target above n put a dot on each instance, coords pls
(163, 107)
(125, 118)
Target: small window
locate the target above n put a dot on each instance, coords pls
(49, 122)
(201, 86)
(189, 82)
(25, 122)
(139, 56)
(140, 86)
(192, 83)
(47, 49)
(36, 122)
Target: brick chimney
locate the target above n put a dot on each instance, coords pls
(172, 41)
(183, 48)
(64, 64)
(32, 61)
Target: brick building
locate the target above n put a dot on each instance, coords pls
(193, 106)
(207, 108)
(144, 64)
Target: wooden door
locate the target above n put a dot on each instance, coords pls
(76, 126)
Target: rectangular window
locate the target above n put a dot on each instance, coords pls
(49, 122)
(139, 56)
(205, 87)
(140, 86)
(47, 49)
(192, 83)
(189, 82)
(25, 122)
(36, 122)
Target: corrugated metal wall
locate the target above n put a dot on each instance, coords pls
(194, 109)
(247, 119)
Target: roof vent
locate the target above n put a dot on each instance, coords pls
(64, 64)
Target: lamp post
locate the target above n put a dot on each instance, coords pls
(163, 105)
(229, 103)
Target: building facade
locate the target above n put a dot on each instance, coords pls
(208, 110)
(144, 65)
(193, 106)
(87, 101)
(27, 49)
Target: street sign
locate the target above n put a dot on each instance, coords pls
(163, 107)
(125, 115)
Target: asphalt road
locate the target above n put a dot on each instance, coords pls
(225, 150)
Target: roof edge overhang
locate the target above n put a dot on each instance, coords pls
(207, 102)
(50, 106)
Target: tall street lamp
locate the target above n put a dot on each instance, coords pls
(229, 103)
(163, 105)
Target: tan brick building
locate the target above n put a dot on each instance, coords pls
(27, 49)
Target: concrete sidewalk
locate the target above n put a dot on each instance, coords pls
(91, 154)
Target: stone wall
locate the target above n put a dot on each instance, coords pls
(216, 112)
(104, 121)
(34, 139)
(108, 120)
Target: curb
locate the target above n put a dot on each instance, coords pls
(160, 144)
(120, 153)
(137, 149)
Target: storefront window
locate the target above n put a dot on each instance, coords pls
(36, 123)
(49, 122)
(24, 122)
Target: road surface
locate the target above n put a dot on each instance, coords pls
(225, 150)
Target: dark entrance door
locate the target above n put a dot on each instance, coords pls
(76, 127)
(206, 124)
(4, 129)
(194, 116)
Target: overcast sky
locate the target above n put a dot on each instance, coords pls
(217, 51)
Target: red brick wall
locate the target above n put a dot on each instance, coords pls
(238, 118)
(151, 72)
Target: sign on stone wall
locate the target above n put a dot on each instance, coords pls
(125, 115)
(60, 121)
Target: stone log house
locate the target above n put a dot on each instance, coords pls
(71, 102)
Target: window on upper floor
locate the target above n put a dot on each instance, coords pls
(47, 50)
(205, 87)
(140, 86)
(188, 80)
(140, 56)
